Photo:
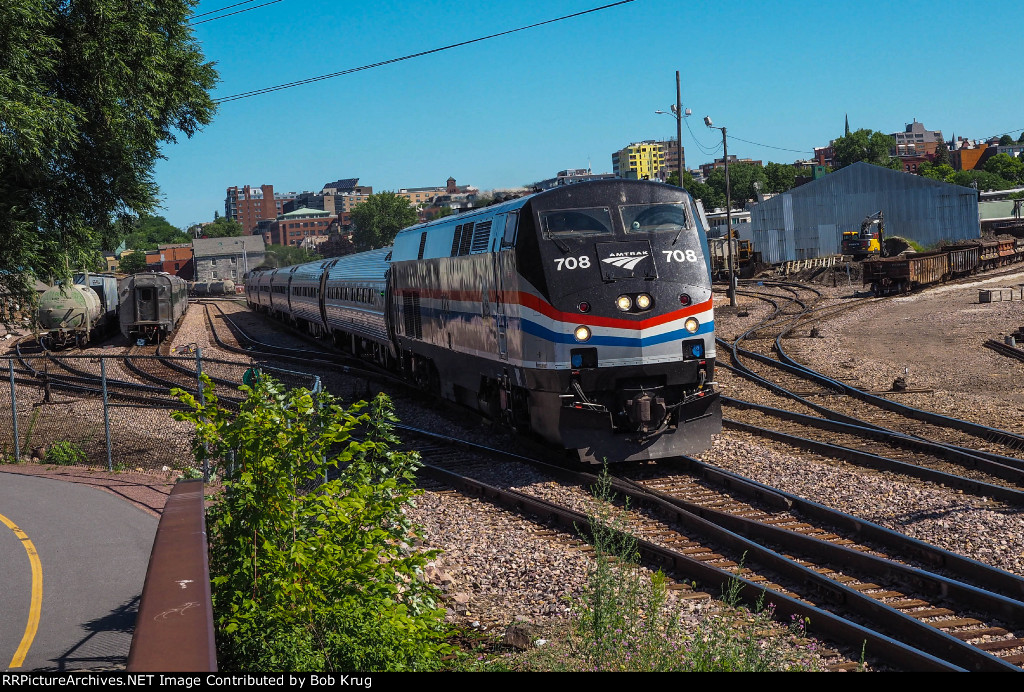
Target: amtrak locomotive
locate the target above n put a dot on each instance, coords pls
(582, 314)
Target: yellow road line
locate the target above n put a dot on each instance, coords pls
(37, 594)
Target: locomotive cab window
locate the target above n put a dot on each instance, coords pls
(573, 223)
(654, 218)
(509, 238)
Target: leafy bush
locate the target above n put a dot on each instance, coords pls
(310, 575)
(64, 453)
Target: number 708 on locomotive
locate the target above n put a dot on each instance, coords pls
(582, 314)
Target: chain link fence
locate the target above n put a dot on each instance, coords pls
(67, 419)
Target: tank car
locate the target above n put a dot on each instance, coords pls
(582, 314)
(152, 305)
(224, 287)
(78, 312)
(68, 314)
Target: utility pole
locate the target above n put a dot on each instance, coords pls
(728, 212)
(728, 221)
(679, 131)
(676, 111)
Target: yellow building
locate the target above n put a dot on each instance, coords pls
(639, 161)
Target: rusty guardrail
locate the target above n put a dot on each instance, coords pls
(174, 628)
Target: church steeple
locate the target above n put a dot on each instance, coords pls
(847, 124)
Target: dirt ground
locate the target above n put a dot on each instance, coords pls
(935, 339)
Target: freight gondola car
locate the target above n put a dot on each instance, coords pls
(582, 314)
(963, 259)
(989, 253)
(152, 305)
(906, 272)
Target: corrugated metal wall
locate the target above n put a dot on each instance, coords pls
(809, 221)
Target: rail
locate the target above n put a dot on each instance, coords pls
(174, 628)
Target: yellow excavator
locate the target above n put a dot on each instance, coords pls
(867, 242)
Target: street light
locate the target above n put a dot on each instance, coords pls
(728, 211)
(678, 114)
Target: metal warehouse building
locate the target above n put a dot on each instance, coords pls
(808, 221)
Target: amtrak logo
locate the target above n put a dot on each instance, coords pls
(626, 260)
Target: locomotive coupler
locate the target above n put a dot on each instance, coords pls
(646, 412)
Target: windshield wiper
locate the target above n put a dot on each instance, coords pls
(561, 245)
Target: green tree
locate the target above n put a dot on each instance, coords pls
(379, 219)
(941, 154)
(708, 195)
(287, 255)
(152, 231)
(1006, 167)
(222, 227)
(982, 180)
(865, 145)
(780, 177)
(936, 171)
(89, 91)
(132, 262)
(1005, 141)
(742, 177)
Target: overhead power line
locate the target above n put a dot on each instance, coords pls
(204, 14)
(247, 9)
(707, 150)
(310, 80)
(769, 146)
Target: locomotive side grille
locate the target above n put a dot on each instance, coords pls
(411, 315)
(467, 237)
(423, 243)
(480, 237)
(456, 240)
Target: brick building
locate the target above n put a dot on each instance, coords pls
(174, 259)
(248, 206)
(295, 226)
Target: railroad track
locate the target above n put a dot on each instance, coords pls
(1005, 349)
(878, 431)
(83, 375)
(811, 561)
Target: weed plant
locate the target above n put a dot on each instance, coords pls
(65, 453)
(625, 620)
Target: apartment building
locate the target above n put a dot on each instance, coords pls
(248, 205)
(639, 161)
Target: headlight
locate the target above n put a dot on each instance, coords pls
(582, 333)
(623, 303)
(691, 324)
(643, 301)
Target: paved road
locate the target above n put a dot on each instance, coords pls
(93, 550)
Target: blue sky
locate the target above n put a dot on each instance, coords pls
(519, 108)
